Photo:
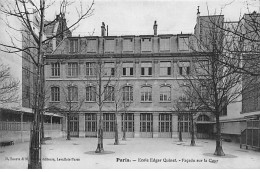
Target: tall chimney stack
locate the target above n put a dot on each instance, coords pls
(103, 29)
(155, 28)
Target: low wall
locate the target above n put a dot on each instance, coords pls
(20, 132)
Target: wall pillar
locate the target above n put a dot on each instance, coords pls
(155, 125)
(137, 124)
(174, 125)
(22, 139)
(51, 123)
(81, 125)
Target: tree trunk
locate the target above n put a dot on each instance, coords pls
(219, 151)
(124, 127)
(100, 148)
(68, 127)
(116, 133)
(192, 143)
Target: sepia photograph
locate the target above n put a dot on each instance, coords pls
(134, 84)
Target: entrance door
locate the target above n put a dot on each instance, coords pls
(165, 125)
(91, 125)
(128, 124)
(109, 125)
(146, 125)
(74, 126)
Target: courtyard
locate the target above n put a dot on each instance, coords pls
(78, 153)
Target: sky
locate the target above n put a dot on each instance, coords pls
(136, 17)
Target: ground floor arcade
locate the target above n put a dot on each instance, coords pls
(136, 124)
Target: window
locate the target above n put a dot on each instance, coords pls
(184, 68)
(73, 46)
(55, 94)
(164, 44)
(109, 69)
(73, 69)
(146, 44)
(183, 43)
(128, 69)
(127, 93)
(90, 94)
(109, 122)
(146, 69)
(110, 45)
(165, 122)
(128, 45)
(146, 122)
(92, 46)
(203, 118)
(127, 122)
(165, 68)
(146, 94)
(72, 93)
(165, 94)
(109, 93)
(55, 69)
(184, 122)
(91, 122)
(90, 69)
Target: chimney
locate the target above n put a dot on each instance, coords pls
(103, 29)
(155, 28)
(107, 30)
(198, 11)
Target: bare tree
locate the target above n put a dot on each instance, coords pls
(102, 77)
(8, 86)
(212, 82)
(31, 14)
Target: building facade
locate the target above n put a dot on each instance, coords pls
(146, 70)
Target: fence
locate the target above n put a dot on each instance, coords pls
(25, 126)
(251, 135)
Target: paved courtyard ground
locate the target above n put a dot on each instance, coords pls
(79, 153)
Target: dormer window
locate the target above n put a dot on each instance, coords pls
(73, 46)
(164, 44)
(110, 45)
(128, 45)
(146, 45)
(183, 43)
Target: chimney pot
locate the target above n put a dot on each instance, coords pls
(155, 28)
(103, 29)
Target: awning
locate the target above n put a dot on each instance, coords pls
(28, 110)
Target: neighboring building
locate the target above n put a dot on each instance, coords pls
(247, 107)
(150, 69)
(51, 28)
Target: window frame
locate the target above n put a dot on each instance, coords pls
(55, 69)
(167, 93)
(73, 91)
(91, 94)
(55, 94)
(146, 95)
(73, 71)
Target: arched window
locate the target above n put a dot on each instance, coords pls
(109, 93)
(55, 94)
(203, 118)
(146, 94)
(72, 93)
(127, 93)
(165, 94)
(90, 94)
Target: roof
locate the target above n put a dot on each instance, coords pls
(27, 110)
